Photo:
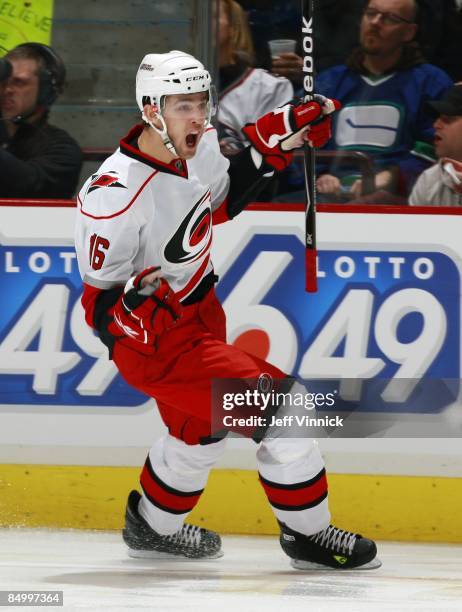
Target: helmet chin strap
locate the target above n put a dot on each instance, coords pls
(162, 133)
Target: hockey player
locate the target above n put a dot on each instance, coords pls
(143, 239)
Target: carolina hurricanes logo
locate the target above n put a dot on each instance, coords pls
(194, 236)
(107, 179)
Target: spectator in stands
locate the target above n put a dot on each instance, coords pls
(37, 160)
(383, 88)
(336, 20)
(246, 93)
(441, 185)
(272, 19)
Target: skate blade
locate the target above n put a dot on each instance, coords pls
(308, 565)
(153, 554)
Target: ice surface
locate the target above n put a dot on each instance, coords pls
(95, 573)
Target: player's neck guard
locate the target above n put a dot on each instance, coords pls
(162, 133)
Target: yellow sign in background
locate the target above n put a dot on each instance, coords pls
(24, 21)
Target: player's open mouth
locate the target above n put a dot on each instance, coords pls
(191, 139)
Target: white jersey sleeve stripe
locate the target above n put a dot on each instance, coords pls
(101, 284)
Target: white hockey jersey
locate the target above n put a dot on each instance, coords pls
(137, 212)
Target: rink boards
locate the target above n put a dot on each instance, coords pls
(388, 304)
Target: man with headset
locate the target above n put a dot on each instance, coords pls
(37, 160)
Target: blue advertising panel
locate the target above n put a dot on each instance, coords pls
(379, 314)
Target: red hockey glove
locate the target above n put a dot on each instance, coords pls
(277, 133)
(142, 313)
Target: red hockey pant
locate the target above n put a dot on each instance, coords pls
(178, 376)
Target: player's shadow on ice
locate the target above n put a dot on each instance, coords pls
(161, 577)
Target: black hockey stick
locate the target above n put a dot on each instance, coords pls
(311, 283)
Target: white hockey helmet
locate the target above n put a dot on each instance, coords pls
(164, 74)
(172, 73)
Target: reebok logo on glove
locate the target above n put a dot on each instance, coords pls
(307, 110)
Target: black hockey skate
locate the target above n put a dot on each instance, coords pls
(330, 548)
(190, 541)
